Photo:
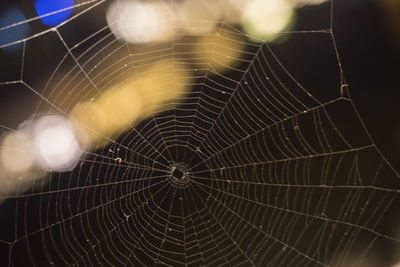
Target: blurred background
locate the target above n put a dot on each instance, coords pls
(367, 35)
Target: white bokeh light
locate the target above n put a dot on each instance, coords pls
(141, 22)
(55, 143)
(264, 20)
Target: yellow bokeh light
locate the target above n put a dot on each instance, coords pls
(122, 106)
(90, 123)
(219, 50)
(147, 92)
(114, 111)
(17, 154)
(161, 83)
(198, 17)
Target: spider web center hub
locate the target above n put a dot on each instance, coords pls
(179, 175)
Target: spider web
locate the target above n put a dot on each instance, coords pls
(254, 166)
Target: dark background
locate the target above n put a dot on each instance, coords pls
(370, 56)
